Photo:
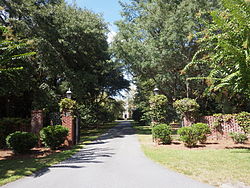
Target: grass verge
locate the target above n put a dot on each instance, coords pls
(13, 169)
(213, 166)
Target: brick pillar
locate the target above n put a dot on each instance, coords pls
(36, 121)
(68, 121)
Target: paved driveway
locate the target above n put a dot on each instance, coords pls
(113, 161)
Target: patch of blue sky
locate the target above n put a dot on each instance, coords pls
(109, 9)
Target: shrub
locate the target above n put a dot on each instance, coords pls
(54, 136)
(201, 131)
(67, 105)
(188, 135)
(186, 105)
(243, 119)
(21, 142)
(239, 138)
(11, 125)
(162, 132)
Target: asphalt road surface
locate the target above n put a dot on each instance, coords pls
(115, 160)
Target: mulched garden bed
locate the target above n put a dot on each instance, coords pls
(34, 153)
(210, 144)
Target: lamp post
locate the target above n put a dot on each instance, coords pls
(156, 91)
(72, 123)
(187, 87)
(69, 94)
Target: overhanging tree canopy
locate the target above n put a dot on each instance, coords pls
(72, 50)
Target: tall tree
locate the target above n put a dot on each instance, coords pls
(11, 50)
(14, 53)
(72, 50)
(154, 42)
(225, 52)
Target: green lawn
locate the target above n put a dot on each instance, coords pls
(214, 166)
(13, 169)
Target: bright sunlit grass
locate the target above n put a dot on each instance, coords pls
(213, 166)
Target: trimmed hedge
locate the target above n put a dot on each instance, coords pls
(11, 125)
(186, 105)
(21, 142)
(54, 136)
(201, 130)
(162, 133)
(239, 138)
(194, 134)
(188, 136)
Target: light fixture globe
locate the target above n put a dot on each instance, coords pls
(69, 94)
(156, 91)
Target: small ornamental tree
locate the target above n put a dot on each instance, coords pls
(158, 108)
(187, 108)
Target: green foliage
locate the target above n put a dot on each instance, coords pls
(158, 108)
(106, 109)
(16, 73)
(72, 51)
(54, 136)
(225, 49)
(21, 142)
(11, 51)
(67, 105)
(218, 121)
(186, 106)
(239, 138)
(137, 115)
(243, 120)
(10, 125)
(201, 130)
(111, 109)
(162, 133)
(188, 135)
(87, 115)
(153, 42)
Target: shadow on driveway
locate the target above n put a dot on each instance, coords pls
(94, 153)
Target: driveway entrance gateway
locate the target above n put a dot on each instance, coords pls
(113, 161)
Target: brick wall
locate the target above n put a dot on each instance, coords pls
(227, 126)
(69, 122)
(36, 121)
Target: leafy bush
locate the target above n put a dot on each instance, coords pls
(21, 142)
(67, 104)
(239, 138)
(201, 130)
(188, 135)
(243, 120)
(162, 132)
(54, 136)
(186, 105)
(11, 125)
